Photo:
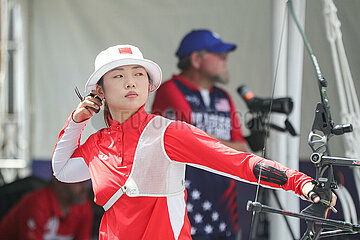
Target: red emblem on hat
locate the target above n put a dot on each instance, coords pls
(125, 50)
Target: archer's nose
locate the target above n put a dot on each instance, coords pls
(130, 85)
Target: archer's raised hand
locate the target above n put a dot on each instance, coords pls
(87, 107)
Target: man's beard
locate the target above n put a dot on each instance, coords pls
(222, 78)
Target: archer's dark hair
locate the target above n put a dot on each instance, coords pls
(106, 107)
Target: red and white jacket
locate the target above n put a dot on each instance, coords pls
(107, 157)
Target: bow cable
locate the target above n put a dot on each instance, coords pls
(267, 119)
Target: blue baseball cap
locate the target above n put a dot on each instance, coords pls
(198, 40)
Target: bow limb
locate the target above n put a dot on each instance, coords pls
(321, 80)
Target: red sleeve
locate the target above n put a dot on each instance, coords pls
(85, 229)
(38, 217)
(171, 103)
(187, 144)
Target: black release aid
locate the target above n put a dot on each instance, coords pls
(270, 174)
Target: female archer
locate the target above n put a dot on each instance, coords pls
(137, 164)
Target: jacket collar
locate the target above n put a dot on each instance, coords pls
(134, 122)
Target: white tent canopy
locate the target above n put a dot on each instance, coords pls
(61, 38)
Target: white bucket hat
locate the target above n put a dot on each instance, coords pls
(122, 55)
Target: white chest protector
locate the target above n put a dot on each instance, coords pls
(153, 173)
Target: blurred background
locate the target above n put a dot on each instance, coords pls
(49, 46)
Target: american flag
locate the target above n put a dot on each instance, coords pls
(222, 105)
(211, 203)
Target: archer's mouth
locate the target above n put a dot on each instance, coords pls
(131, 94)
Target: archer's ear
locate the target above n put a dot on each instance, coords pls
(195, 59)
(100, 91)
